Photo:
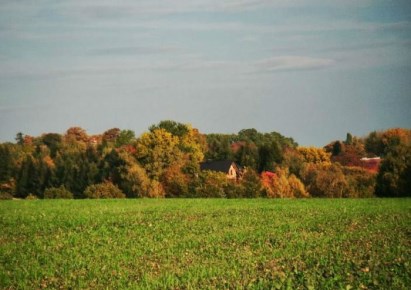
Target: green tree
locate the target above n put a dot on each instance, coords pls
(269, 155)
(53, 142)
(337, 148)
(251, 183)
(110, 167)
(75, 171)
(247, 156)
(6, 163)
(19, 138)
(394, 177)
(28, 180)
(349, 139)
(172, 127)
(212, 184)
(219, 147)
(126, 137)
(249, 135)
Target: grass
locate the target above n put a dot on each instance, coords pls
(206, 243)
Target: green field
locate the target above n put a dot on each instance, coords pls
(199, 243)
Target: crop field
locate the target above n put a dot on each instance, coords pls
(206, 243)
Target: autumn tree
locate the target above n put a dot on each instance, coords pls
(294, 161)
(282, 184)
(325, 180)
(361, 182)
(156, 151)
(111, 135)
(314, 155)
(77, 134)
(175, 182)
(132, 178)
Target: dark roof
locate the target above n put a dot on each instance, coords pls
(221, 165)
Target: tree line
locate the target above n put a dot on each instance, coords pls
(165, 162)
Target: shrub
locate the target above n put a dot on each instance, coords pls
(58, 192)
(134, 180)
(251, 184)
(211, 184)
(325, 180)
(31, 197)
(361, 182)
(282, 184)
(103, 190)
(175, 182)
(155, 189)
(5, 195)
(233, 189)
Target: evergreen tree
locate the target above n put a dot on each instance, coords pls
(6, 163)
(349, 139)
(28, 181)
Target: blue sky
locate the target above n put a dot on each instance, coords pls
(312, 70)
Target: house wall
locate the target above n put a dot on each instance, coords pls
(232, 174)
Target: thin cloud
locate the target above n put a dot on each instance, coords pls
(106, 9)
(287, 63)
(279, 28)
(184, 64)
(135, 50)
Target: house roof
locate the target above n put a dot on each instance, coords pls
(269, 174)
(220, 166)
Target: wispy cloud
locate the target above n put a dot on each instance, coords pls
(283, 63)
(278, 28)
(135, 50)
(184, 63)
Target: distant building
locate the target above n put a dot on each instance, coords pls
(226, 166)
(371, 164)
(93, 141)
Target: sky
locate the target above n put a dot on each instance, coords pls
(310, 70)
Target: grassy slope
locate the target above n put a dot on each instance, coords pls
(206, 243)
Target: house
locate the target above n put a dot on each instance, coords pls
(371, 164)
(226, 166)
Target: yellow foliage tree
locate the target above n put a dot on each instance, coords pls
(315, 155)
(157, 150)
(283, 185)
